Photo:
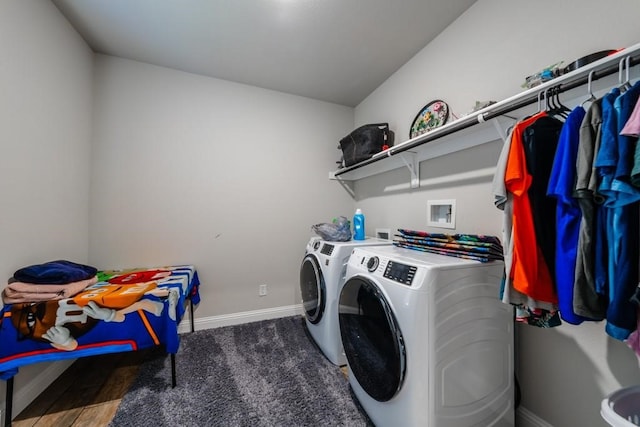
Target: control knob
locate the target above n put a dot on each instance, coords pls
(372, 264)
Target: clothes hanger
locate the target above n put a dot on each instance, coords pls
(547, 104)
(624, 63)
(545, 97)
(627, 79)
(540, 103)
(592, 97)
(552, 109)
(553, 105)
(562, 109)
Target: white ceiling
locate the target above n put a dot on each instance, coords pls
(332, 50)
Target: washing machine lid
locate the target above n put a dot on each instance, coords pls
(312, 289)
(372, 340)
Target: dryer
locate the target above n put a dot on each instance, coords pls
(322, 274)
(427, 340)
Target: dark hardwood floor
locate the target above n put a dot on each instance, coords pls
(86, 394)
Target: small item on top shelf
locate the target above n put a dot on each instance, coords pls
(588, 59)
(558, 69)
(431, 116)
(364, 142)
(340, 161)
(546, 74)
(479, 105)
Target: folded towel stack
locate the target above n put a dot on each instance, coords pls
(54, 280)
(469, 246)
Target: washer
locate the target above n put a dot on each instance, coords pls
(322, 274)
(427, 340)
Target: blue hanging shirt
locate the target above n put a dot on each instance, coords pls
(568, 213)
(626, 193)
(622, 227)
(604, 162)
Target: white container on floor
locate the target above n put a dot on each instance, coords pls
(622, 407)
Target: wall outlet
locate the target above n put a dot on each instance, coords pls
(262, 290)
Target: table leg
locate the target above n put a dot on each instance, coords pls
(173, 370)
(8, 402)
(191, 314)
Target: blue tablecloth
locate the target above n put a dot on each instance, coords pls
(118, 319)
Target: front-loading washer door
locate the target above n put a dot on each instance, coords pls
(312, 289)
(371, 338)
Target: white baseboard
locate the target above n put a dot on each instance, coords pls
(28, 392)
(526, 418)
(239, 318)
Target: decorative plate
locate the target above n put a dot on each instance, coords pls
(431, 116)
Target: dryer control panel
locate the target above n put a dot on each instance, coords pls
(327, 249)
(400, 272)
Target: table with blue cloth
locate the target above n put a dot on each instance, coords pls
(123, 310)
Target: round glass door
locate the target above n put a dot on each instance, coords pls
(312, 289)
(371, 338)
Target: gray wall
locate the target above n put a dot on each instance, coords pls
(45, 129)
(486, 54)
(229, 177)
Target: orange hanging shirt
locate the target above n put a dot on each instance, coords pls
(529, 270)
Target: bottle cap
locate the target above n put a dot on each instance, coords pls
(358, 211)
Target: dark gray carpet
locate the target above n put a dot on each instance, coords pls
(266, 373)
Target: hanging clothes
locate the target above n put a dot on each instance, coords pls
(587, 301)
(626, 193)
(634, 339)
(540, 141)
(568, 214)
(621, 218)
(527, 310)
(632, 129)
(570, 193)
(529, 271)
(604, 163)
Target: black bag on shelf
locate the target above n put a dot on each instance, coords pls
(364, 142)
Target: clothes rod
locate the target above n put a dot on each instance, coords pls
(601, 68)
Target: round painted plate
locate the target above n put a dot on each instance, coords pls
(431, 116)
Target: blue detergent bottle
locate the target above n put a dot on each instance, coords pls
(358, 225)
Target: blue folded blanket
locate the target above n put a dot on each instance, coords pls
(55, 272)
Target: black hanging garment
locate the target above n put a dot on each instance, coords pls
(540, 141)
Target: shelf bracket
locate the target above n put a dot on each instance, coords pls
(413, 166)
(501, 132)
(347, 185)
